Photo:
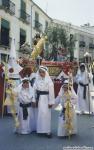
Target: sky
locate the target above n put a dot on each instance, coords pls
(77, 12)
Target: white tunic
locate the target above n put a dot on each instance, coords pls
(25, 96)
(44, 113)
(84, 104)
(61, 99)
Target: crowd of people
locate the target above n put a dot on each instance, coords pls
(35, 102)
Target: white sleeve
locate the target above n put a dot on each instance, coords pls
(51, 94)
(74, 97)
(90, 76)
(78, 78)
(57, 102)
(31, 93)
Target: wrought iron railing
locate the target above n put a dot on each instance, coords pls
(24, 16)
(38, 26)
(8, 6)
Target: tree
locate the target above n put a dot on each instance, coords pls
(58, 37)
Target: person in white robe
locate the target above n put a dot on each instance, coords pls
(34, 110)
(84, 79)
(44, 96)
(24, 94)
(13, 71)
(62, 100)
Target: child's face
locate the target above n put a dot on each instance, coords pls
(42, 73)
(25, 84)
(65, 87)
(82, 69)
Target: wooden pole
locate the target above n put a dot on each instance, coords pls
(3, 98)
(4, 87)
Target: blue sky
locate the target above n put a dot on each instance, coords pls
(77, 12)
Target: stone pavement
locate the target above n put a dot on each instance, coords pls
(10, 141)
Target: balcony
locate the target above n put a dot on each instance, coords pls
(82, 44)
(24, 17)
(38, 26)
(8, 6)
(91, 46)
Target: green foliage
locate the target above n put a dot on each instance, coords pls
(58, 37)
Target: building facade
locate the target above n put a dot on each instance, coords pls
(20, 20)
(40, 20)
(83, 37)
(15, 23)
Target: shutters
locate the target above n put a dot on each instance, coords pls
(22, 36)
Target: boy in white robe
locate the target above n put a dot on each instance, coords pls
(44, 96)
(62, 99)
(25, 95)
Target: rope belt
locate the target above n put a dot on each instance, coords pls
(25, 111)
(84, 86)
(38, 93)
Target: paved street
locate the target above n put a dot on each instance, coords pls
(10, 141)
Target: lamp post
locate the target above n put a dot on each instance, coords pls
(87, 58)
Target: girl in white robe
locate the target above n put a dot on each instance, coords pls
(25, 95)
(44, 96)
(83, 78)
(61, 99)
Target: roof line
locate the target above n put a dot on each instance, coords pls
(41, 10)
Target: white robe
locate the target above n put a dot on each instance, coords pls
(84, 104)
(25, 96)
(34, 110)
(61, 99)
(44, 113)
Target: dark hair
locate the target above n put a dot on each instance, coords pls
(82, 66)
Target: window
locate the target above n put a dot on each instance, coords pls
(5, 28)
(22, 36)
(4, 57)
(36, 16)
(23, 9)
(36, 20)
(6, 3)
(46, 24)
